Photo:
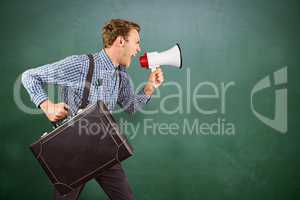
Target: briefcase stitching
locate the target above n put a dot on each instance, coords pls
(53, 175)
(113, 128)
(109, 162)
(59, 183)
(123, 140)
(117, 154)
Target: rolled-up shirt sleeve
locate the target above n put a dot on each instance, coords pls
(127, 99)
(60, 73)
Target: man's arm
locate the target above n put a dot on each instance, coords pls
(132, 102)
(63, 72)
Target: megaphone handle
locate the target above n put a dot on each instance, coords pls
(152, 70)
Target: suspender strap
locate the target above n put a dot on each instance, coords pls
(88, 81)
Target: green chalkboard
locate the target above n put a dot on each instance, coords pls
(225, 126)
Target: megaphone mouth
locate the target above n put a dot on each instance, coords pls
(180, 55)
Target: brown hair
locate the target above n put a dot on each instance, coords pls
(117, 27)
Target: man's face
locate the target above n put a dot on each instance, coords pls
(131, 47)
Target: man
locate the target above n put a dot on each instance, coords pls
(110, 83)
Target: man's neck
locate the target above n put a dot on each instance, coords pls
(113, 55)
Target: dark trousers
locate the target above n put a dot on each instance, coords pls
(113, 181)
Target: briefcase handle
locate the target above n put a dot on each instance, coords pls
(54, 125)
(57, 124)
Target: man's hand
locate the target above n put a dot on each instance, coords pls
(55, 112)
(155, 80)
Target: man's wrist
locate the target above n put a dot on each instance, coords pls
(44, 105)
(149, 89)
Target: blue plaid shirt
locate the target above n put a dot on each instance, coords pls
(110, 84)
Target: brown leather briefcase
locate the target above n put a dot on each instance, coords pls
(84, 146)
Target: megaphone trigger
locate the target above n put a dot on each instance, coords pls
(153, 69)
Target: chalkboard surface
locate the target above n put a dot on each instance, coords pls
(225, 126)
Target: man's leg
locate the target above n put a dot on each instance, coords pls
(115, 184)
(74, 195)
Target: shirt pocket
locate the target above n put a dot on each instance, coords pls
(96, 92)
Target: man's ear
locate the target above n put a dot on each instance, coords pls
(120, 41)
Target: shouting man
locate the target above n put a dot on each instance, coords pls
(110, 83)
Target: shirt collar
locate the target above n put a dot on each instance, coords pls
(108, 64)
